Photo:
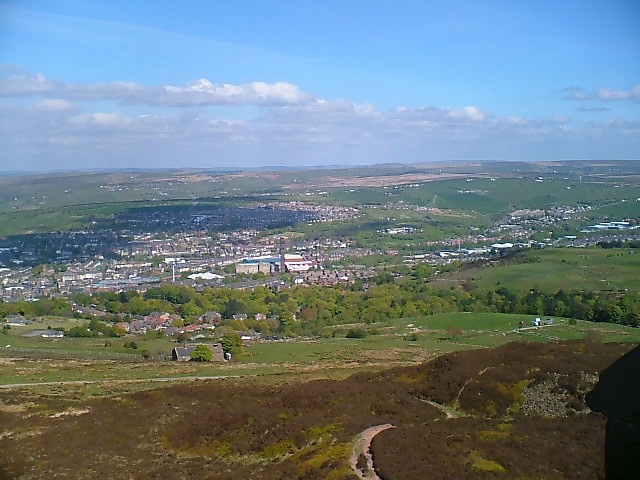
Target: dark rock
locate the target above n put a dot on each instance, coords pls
(617, 395)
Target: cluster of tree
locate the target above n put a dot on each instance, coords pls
(42, 268)
(95, 328)
(593, 306)
(44, 306)
(619, 244)
(307, 310)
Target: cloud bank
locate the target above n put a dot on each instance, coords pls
(606, 94)
(200, 92)
(47, 124)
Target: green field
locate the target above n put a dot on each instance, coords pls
(401, 342)
(46, 203)
(490, 197)
(552, 269)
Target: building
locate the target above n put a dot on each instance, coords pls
(287, 262)
(16, 320)
(49, 333)
(266, 265)
(183, 353)
(296, 263)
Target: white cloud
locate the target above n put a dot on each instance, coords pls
(203, 92)
(55, 105)
(18, 85)
(102, 119)
(515, 120)
(576, 93)
(292, 127)
(613, 94)
(467, 113)
(593, 109)
(200, 92)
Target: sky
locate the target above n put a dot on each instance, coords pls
(228, 84)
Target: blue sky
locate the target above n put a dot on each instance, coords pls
(99, 84)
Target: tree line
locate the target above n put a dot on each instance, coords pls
(309, 310)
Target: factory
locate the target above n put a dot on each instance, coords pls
(289, 263)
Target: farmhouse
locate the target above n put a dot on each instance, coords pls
(49, 333)
(183, 354)
(16, 320)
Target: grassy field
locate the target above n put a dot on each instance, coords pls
(485, 196)
(401, 342)
(591, 269)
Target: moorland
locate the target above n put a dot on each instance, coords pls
(418, 312)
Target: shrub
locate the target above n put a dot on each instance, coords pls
(454, 331)
(356, 333)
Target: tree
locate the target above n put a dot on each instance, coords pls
(177, 322)
(202, 353)
(233, 307)
(231, 343)
(79, 332)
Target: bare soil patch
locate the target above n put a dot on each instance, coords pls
(373, 181)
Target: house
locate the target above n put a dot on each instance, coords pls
(160, 320)
(171, 331)
(248, 336)
(211, 317)
(124, 326)
(49, 333)
(16, 320)
(189, 328)
(183, 353)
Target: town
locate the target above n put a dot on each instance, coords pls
(209, 247)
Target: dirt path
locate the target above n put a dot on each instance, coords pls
(362, 446)
(442, 408)
(456, 402)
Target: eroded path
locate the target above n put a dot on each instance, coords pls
(362, 446)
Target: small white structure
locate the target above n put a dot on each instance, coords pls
(205, 276)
